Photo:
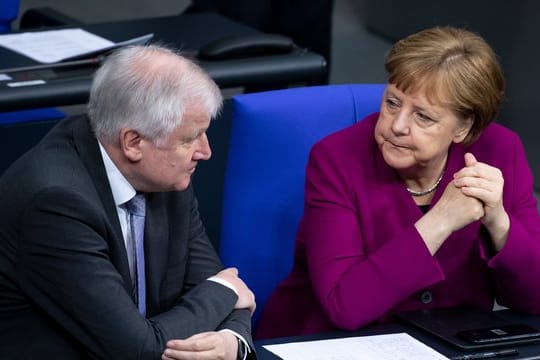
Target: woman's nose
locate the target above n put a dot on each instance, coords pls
(400, 123)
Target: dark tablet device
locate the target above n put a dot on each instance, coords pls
(471, 328)
(499, 334)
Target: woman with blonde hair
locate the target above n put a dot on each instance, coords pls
(426, 204)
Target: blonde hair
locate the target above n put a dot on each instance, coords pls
(453, 67)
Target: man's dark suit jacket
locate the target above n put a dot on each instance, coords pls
(64, 275)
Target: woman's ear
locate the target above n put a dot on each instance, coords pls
(463, 130)
(130, 144)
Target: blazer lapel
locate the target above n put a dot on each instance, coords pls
(88, 149)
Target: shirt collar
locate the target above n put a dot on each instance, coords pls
(122, 190)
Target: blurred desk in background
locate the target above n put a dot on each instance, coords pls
(189, 33)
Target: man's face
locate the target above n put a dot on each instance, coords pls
(169, 166)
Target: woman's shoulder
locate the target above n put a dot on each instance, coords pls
(496, 138)
(498, 146)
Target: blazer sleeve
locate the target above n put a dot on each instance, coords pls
(355, 286)
(66, 266)
(518, 263)
(204, 262)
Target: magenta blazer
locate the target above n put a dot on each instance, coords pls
(359, 258)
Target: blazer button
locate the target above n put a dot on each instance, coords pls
(426, 297)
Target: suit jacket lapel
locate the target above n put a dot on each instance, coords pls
(87, 147)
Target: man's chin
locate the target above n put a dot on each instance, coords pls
(182, 185)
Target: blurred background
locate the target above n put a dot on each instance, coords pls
(361, 31)
(356, 54)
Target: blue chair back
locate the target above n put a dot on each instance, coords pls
(271, 136)
(9, 9)
(20, 130)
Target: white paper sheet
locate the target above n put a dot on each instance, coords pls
(56, 45)
(400, 346)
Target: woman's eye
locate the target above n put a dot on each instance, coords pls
(423, 117)
(391, 103)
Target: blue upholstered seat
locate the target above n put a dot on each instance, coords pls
(30, 115)
(271, 135)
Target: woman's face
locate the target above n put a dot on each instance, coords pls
(413, 133)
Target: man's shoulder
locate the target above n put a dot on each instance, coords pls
(52, 162)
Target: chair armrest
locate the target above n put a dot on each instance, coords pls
(46, 17)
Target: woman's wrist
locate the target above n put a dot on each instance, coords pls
(433, 232)
(498, 230)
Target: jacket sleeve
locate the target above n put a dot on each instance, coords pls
(518, 263)
(203, 262)
(353, 284)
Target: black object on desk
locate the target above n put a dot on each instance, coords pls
(189, 33)
(470, 328)
(245, 46)
(487, 355)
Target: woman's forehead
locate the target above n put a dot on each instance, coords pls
(431, 90)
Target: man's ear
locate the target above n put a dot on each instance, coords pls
(130, 144)
(463, 130)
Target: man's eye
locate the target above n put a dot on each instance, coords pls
(187, 141)
(192, 139)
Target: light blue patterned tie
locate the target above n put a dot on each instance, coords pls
(136, 208)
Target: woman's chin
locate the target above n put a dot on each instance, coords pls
(398, 161)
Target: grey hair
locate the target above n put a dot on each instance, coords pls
(147, 88)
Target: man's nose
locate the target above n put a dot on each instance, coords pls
(204, 152)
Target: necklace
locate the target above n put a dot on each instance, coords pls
(428, 190)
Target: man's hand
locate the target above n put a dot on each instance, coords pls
(208, 345)
(246, 298)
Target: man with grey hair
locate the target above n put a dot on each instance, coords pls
(79, 276)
